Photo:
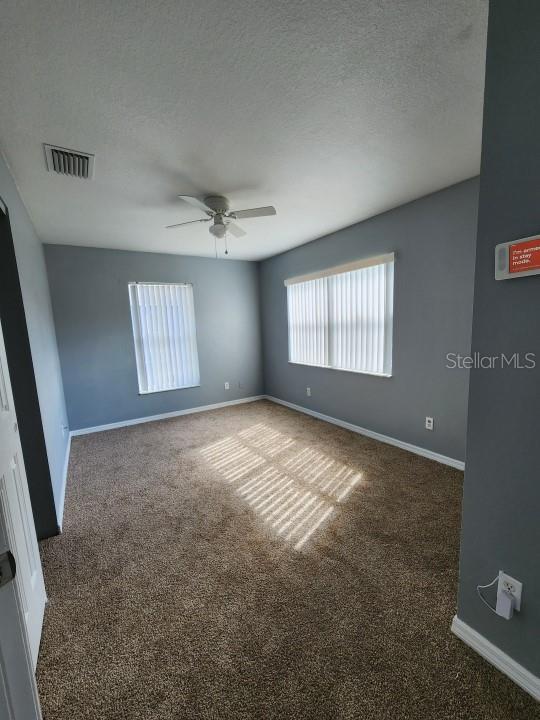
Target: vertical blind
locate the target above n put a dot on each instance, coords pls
(163, 318)
(308, 326)
(343, 318)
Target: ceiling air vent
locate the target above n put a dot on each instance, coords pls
(69, 162)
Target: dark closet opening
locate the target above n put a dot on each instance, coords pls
(23, 383)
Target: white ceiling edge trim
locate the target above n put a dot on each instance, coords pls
(346, 267)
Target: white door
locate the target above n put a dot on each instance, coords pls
(22, 599)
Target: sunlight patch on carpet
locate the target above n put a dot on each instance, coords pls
(295, 497)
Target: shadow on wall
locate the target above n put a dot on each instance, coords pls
(295, 497)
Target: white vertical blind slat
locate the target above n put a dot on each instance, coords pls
(173, 333)
(147, 331)
(150, 339)
(310, 325)
(137, 335)
(381, 296)
(186, 369)
(163, 319)
(181, 334)
(164, 344)
(194, 356)
(156, 338)
(171, 350)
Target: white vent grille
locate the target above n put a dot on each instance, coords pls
(72, 163)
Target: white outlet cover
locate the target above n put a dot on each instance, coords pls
(429, 423)
(510, 584)
(308, 391)
(227, 386)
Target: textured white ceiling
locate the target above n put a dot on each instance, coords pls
(331, 111)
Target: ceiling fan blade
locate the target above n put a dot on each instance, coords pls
(235, 230)
(189, 222)
(254, 212)
(197, 202)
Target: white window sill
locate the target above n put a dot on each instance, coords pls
(331, 367)
(180, 387)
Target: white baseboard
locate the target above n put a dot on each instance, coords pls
(458, 464)
(164, 416)
(503, 662)
(62, 499)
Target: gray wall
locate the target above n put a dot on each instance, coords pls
(89, 289)
(37, 306)
(501, 505)
(434, 239)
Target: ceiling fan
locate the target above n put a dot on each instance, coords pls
(222, 219)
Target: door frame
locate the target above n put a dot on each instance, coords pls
(19, 699)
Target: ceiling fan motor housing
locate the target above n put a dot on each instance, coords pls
(217, 203)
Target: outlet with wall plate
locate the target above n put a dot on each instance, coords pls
(308, 391)
(511, 586)
(227, 386)
(429, 423)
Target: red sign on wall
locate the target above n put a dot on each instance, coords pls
(524, 256)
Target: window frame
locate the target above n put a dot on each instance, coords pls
(386, 259)
(137, 336)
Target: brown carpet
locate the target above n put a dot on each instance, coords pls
(252, 562)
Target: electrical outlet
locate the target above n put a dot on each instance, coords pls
(227, 386)
(429, 423)
(308, 391)
(510, 585)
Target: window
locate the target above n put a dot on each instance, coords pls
(342, 317)
(163, 320)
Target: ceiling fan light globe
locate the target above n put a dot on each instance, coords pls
(218, 230)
